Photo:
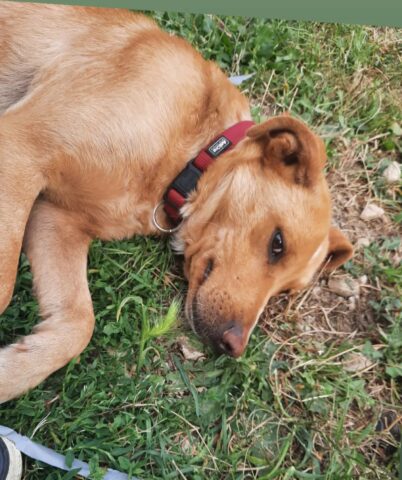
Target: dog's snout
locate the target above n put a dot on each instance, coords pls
(233, 341)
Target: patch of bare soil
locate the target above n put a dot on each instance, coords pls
(320, 308)
(319, 316)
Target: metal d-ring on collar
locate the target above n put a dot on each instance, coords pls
(157, 224)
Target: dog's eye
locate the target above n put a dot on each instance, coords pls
(276, 247)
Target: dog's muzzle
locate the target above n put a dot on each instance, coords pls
(230, 338)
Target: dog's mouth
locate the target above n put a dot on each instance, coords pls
(192, 310)
(195, 320)
(193, 316)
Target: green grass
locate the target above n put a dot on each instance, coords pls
(288, 409)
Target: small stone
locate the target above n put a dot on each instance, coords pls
(352, 304)
(189, 352)
(372, 212)
(344, 286)
(355, 362)
(392, 173)
(363, 280)
(363, 243)
(317, 291)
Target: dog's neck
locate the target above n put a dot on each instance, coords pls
(186, 181)
(219, 107)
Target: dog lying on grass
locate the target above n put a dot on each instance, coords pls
(100, 111)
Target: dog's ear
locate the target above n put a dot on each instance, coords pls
(291, 149)
(340, 249)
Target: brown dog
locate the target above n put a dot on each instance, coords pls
(99, 112)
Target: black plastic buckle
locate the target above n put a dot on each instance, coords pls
(186, 180)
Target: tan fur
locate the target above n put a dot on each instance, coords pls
(99, 111)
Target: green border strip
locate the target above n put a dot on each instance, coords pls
(367, 12)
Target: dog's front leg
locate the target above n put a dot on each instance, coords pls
(21, 181)
(57, 249)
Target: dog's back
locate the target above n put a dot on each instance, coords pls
(33, 36)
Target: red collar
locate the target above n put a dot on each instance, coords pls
(187, 179)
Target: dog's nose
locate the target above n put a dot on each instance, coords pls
(233, 341)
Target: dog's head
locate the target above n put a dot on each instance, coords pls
(258, 224)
